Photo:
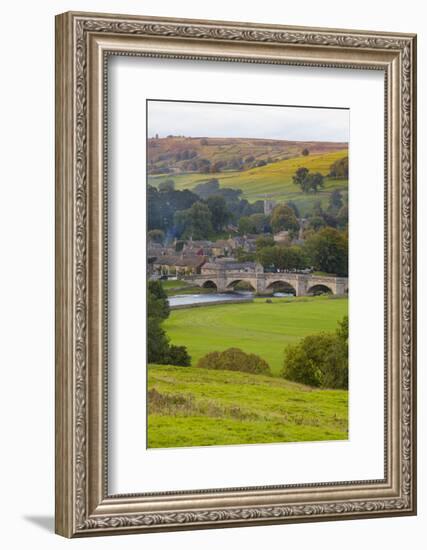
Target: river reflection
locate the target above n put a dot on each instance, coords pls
(194, 299)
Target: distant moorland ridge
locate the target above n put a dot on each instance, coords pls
(180, 154)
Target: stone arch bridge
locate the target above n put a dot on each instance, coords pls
(266, 283)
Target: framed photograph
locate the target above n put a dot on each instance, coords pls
(235, 274)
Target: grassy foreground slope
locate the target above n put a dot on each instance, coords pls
(258, 327)
(198, 407)
(274, 179)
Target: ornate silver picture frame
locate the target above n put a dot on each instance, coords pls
(84, 505)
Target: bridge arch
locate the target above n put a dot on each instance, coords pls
(282, 286)
(248, 282)
(210, 284)
(319, 288)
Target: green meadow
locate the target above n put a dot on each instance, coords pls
(273, 179)
(198, 407)
(190, 406)
(259, 327)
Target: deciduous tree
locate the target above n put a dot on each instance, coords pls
(335, 201)
(219, 212)
(166, 185)
(159, 349)
(196, 222)
(319, 360)
(339, 169)
(254, 224)
(283, 218)
(328, 251)
(300, 176)
(263, 241)
(308, 181)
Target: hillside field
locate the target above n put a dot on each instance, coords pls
(274, 179)
(198, 407)
(259, 327)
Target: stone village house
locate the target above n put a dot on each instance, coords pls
(178, 265)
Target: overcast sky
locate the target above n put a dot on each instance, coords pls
(247, 121)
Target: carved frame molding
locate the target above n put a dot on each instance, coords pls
(83, 43)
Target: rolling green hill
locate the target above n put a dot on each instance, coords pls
(197, 407)
(273, 180)
(259, 327)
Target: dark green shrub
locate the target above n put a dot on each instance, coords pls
(178, 356)
(234, 359)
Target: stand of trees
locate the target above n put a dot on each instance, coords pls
(283, 257)
(311, 182)
(336, 214)
(325, 250)
(308, 181)
(237, 206)
(164, 204)
(254, 224)
(201, 213)
(206, 189)
(159, 349)
(283, 218)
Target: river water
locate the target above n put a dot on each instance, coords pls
(190, 299)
